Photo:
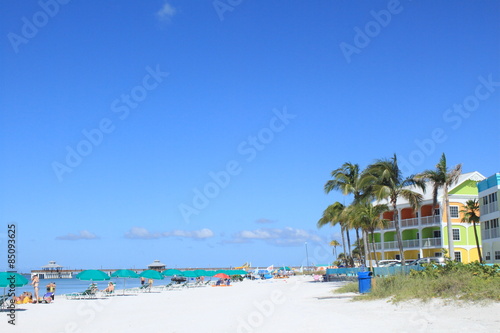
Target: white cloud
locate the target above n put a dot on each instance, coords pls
(166, 12)
(83, 234)
(142, 233)
(287, 236)
(264, 221)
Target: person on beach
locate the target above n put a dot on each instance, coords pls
(110, 288)
(35, 281)
(150, 283)
(143, 280)
(51, 288)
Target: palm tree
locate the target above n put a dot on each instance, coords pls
(471, 214)
(334, 243)
(369, 216)
(333, 215)
(388, 183)
(347, 179)
(443, 178)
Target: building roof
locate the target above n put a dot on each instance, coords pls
(156, 263)
(52, 264)
(427, 196)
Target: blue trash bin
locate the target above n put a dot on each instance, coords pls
(365, 282)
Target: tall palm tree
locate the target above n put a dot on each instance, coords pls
(333, 215)
(334, 243)
(369, 216)
(471, 214)
(347, 180)
(443, 178)
(387, 182)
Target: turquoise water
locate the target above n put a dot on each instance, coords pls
(66, 286)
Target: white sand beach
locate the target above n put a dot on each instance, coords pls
(289, 305)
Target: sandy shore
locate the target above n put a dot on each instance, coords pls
(293, 305)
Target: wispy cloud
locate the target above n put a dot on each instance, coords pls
(143, 233)
(287, 236)
(264, 221)
(166, 12)
(83, 234)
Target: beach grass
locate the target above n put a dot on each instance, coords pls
(453, 281)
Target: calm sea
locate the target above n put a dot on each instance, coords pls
(66, 286)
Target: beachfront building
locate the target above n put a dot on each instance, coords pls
(489, 207)
(424, 232)
(157, 265)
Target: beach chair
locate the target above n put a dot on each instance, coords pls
(4, 299)
(145, 288)
(91, 292)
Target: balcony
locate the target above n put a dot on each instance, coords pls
(490, 233)
(413, 222)
(488, 208)
(432, 242)
(429, 220)
(411, 243)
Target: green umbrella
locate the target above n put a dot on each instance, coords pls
(172, 272)
(125, 273)
(209, 273)
(285, 268)
(7, 279)
(152, 274)
(92, 275)
(189, 274)
(201, 272)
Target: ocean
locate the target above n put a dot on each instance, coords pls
(66, 286)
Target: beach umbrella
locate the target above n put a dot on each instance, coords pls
(125, 273)
(189, 274)
(222, 276)
(285, 268)
(92, 275)
(7, 279)
(210, 273)
(201, 272)
(152, 274)
(172, 272)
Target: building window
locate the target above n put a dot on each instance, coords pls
(454, 212)
(497, 255)
(437, 211)
(436, 233)
(398, 257)
(456, 234)
(438, 254)
(458, 256)
(488, 256)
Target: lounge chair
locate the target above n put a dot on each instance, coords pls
(4, 299)
(91, 292)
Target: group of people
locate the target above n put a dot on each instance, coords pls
(223, 282)
(27, 297)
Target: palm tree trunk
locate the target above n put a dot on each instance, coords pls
(451, 246)
(343, 240)
(398, 233)
(373, 247)
(366, 248)
(349, 255)
(477, 242)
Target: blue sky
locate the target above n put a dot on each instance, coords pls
(201, 133)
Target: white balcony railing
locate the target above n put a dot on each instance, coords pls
(488, 208)
(410, 243)
(490, 233)
(413, 222)
(432, 242)
(427, 220)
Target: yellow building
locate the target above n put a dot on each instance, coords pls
(424, 232)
